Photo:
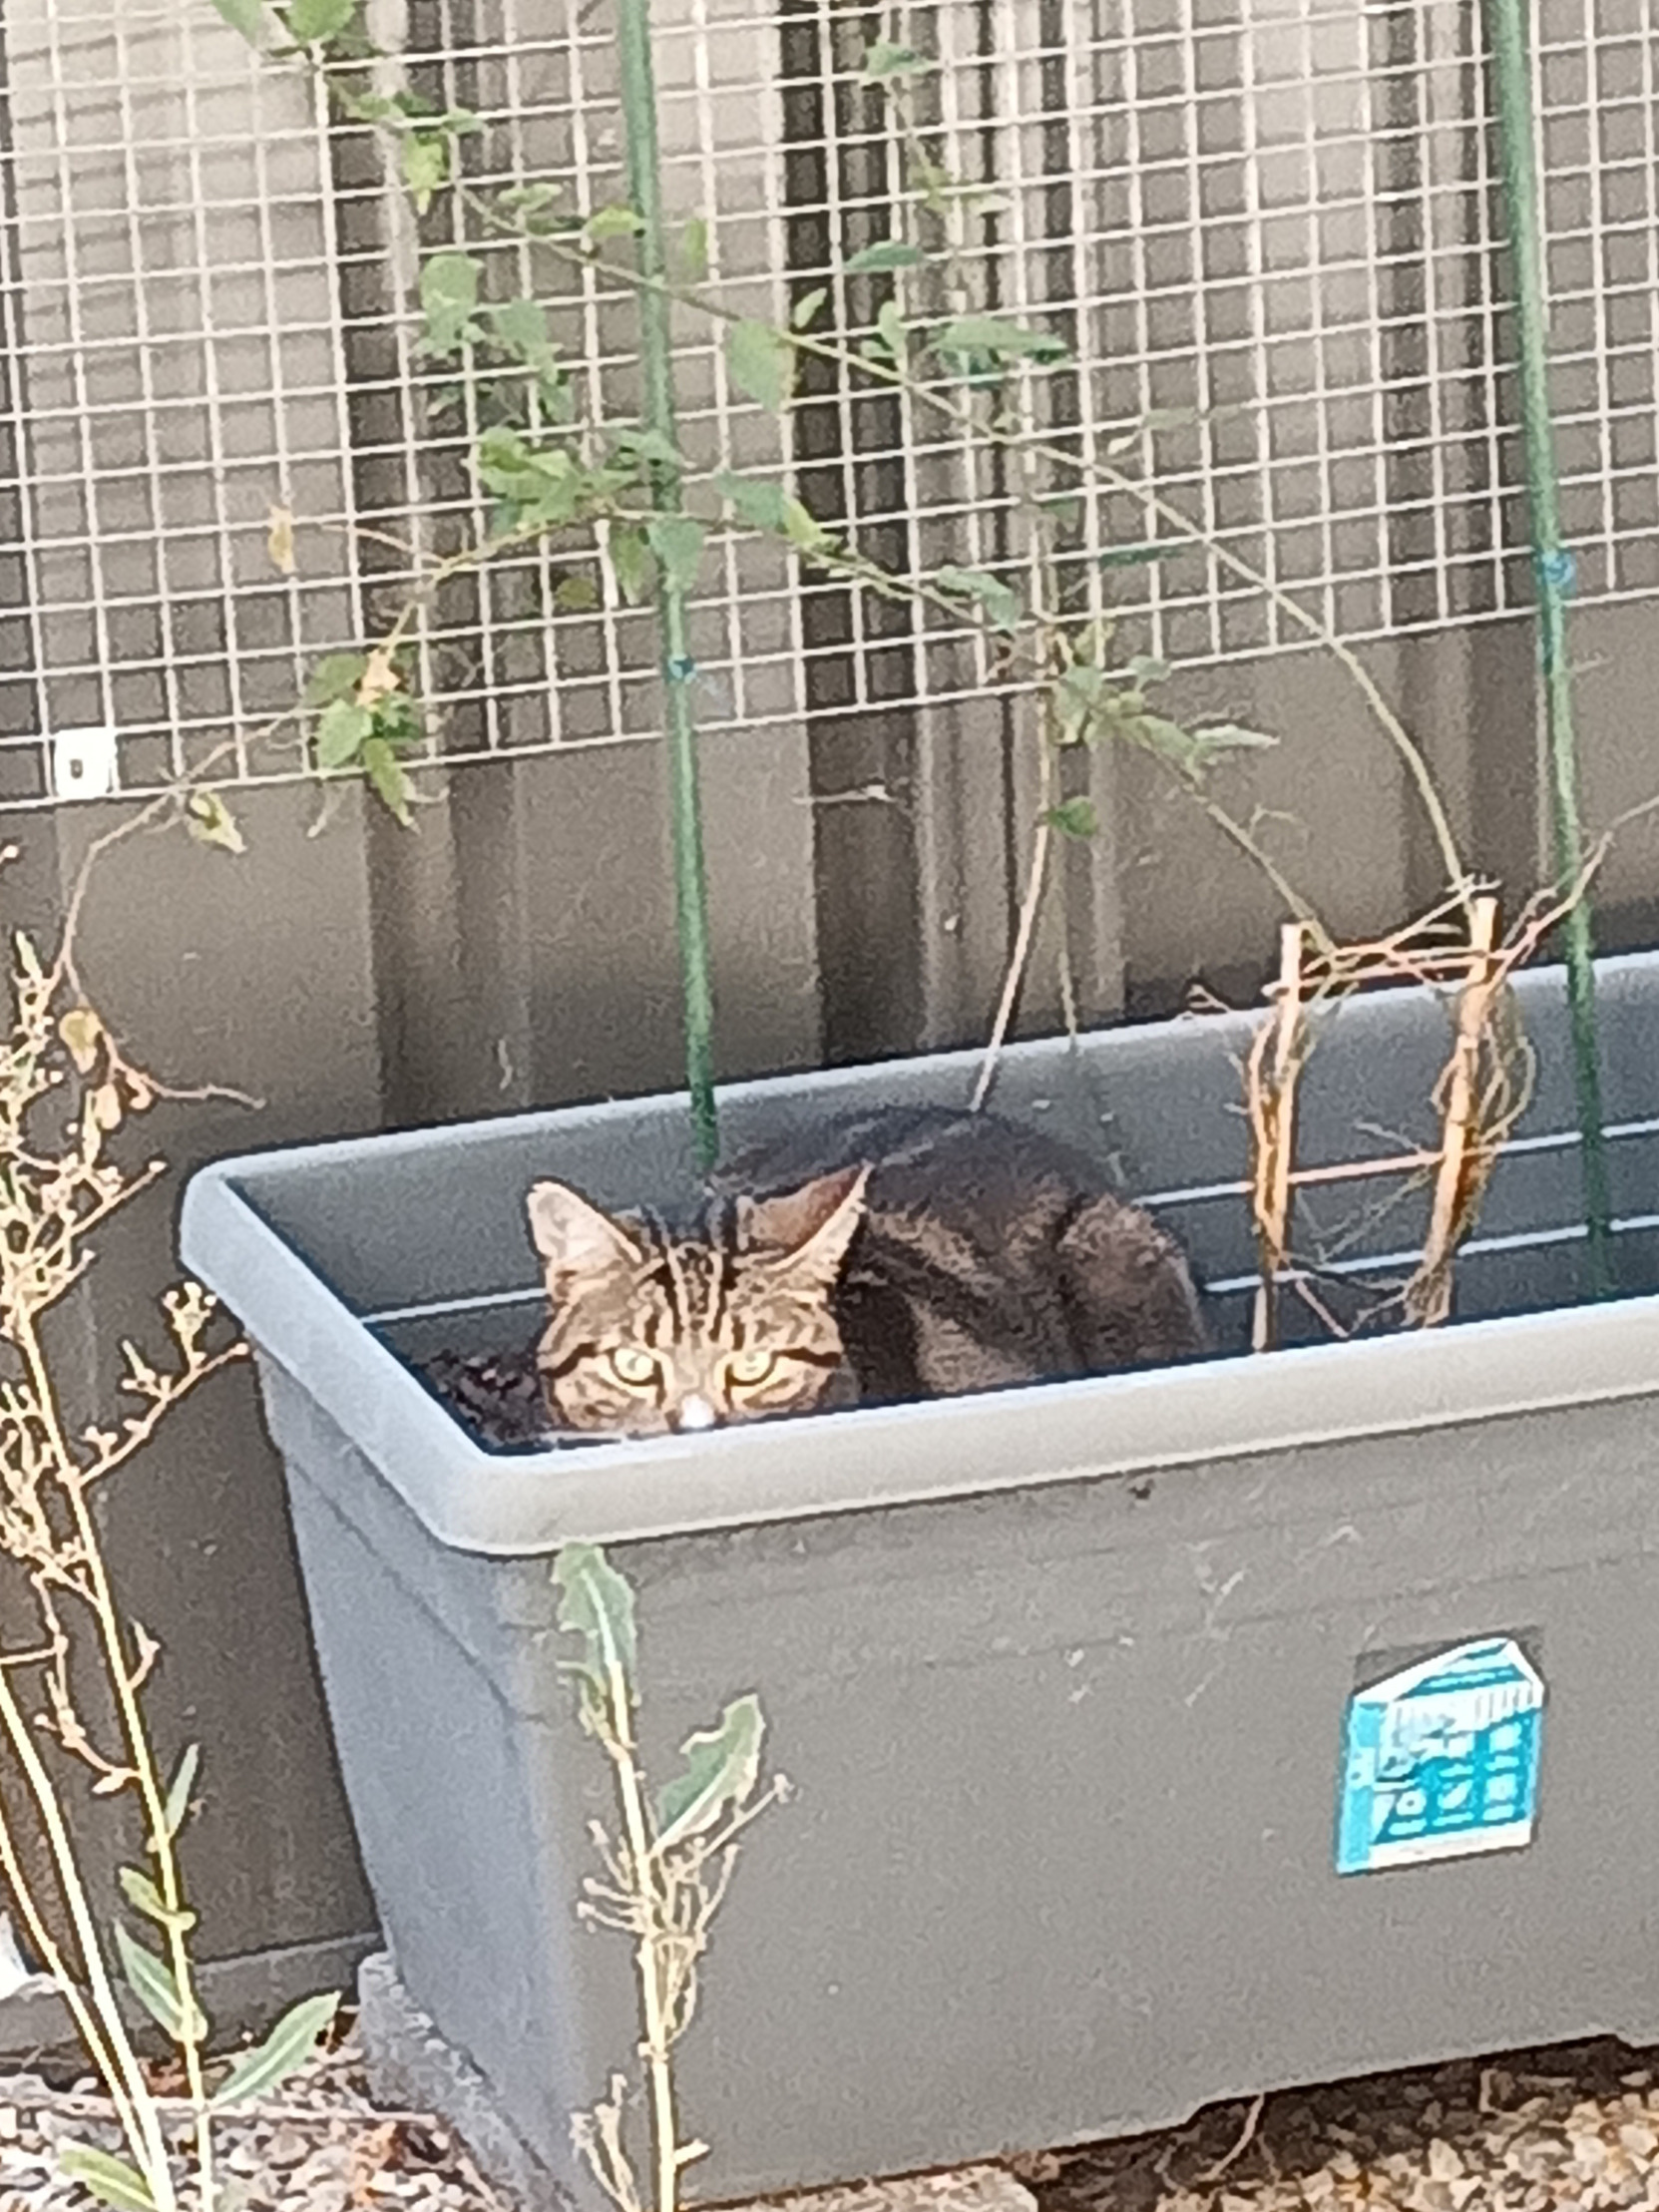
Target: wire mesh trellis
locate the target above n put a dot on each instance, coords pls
(1264, 226)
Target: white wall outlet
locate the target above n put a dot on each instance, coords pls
(82, 764)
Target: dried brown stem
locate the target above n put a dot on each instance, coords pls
(1271, 1095)
(1465, 1157)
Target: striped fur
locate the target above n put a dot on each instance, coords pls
(730, 1319)
(909, 1252)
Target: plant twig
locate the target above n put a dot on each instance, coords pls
(1246, 2136)
(1031, 905)
(1271, 1106)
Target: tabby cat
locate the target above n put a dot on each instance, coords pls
(901, 1253)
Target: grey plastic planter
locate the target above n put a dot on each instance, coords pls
(1066, 1676)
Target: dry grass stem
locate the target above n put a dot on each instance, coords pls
(1480, 1095)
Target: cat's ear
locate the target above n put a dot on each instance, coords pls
(810, 1227)
(575, 1238)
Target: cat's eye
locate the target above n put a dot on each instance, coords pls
(629, 1365)
(748, 1367)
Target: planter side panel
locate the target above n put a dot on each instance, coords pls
(471, 1813)
(1060, 1859)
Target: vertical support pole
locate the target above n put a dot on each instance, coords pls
(1552, 568)
(638, 100)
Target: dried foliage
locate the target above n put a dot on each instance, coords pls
(667, 1869)
(71, 1710)
(1482, 1091)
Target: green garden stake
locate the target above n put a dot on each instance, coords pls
(1552, 568)
(639, 99)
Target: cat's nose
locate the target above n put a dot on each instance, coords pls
(695, 1413)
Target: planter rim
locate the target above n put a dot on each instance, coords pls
(523, 1505)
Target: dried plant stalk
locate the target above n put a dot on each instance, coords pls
(66, 1093)
(1271, 1094)
(1467, 1152)
(1482, 1090)
(665, 1870)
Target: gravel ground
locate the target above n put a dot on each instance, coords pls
(1572, 2127)
(322, 2145)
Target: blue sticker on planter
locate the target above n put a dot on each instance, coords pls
(1442, 1759)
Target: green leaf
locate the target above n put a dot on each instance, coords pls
(531, 204)
(575, 595)
(1157, 733)
(449, 296)
(761, 363)
(761, 505)
(244, 16)
(641, 444)
(758, 503)
(884, 60)
(1192, 752)
(506, 464)
(210, 823)
(178, 1801)
(803, 529)
(890, 329)
(807, 306)
(1001, 604)
(284, 2050)
(1219, 738)
(540, 486)
(597, 1604)
(936, 185)
(425, 166)
(630, 561)
(677, 541)
(397, 719)
(1144, 668)
(143, 1895)
(109, 2179)
(310, 19)
(335, 676)
(692, 251)
(386, 777)
(152, 1985)
(1074, 819)
(520, 327)
(1078, 696)
(885, 253)
(1063, 509)
(342, 730)
(723, 1766)
(367, 107)
(1140, 557)
(999, 339)
(611, 222)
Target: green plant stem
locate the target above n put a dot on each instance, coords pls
(1552, 572)
(639, 101)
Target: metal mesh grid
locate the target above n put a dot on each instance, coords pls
(1263, 226)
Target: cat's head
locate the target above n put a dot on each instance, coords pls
(654, 1329)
